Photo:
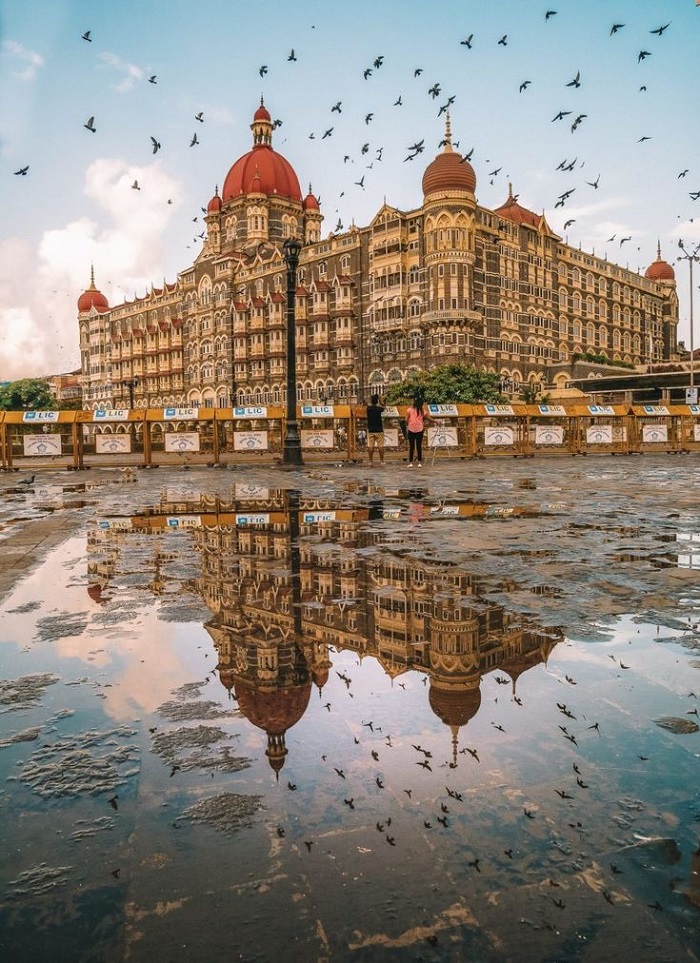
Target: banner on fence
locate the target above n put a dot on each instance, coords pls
(182, 441)
(652, 433)
(250, 441)
(549, 435)
(442, 437)
(112, 444)
(498, 436)
(599, 435)
(323, 438)
(42, 445)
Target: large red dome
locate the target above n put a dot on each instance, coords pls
(262, 170)
(660, 270)
(449, 171)
(92, 298)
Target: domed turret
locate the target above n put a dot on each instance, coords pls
(449, 171)
(92, 298)
(214, 205)
(660, 270)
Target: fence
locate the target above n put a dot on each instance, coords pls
(219, 436)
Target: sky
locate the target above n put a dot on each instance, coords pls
(146, 68)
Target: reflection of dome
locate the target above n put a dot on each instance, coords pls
(455, 705)
(262, 170)
(274, 710)
(92, 298)
(95, 593)
(449, 171)
(660, 270)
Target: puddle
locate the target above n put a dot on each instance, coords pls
(366, 718)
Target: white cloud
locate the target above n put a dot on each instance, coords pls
(29, 60)
(39, 287)
(129, 74)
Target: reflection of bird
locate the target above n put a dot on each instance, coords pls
(113, 802)
(90, 125)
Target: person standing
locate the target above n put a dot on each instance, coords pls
(416, 415)
(375, 429)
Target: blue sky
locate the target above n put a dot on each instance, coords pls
(75, 206)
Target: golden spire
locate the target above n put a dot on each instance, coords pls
(448, 134)
(658, 249)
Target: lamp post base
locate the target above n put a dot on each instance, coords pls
(291, 454)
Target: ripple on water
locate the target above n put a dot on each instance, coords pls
(24, 692)
(226, 813)
(37, 880)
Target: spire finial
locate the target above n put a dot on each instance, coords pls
(448, 133)
(658, 249)
(92, 275)
(510, 191)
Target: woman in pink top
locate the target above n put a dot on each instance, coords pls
(415, 426)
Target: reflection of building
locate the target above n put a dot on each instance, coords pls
(281, 599)
(448, 281)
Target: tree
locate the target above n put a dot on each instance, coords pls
(28, 394)
(531, 394)
(447, 384)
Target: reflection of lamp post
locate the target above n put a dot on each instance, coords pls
(131, 385)
(292, 442)
(690, 256)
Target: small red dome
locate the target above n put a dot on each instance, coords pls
(92, 298)
(310, 203)
(660, 270)
(214, 205)
(262, 113)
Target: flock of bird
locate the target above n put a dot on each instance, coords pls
(367, 154)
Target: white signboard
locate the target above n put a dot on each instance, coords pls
(599, 435)
(183, 521)
(656, 410)
(552, 410)
(549, 435)
(601, 409)
(317, 411)
(181, 440)
(499, 409)
(318, 516)
(323, 438)
(651, 433)
(259, 411)
(39, 416)
(391, 437)
(179, 414)
(112, 444)
(110, 414)
(498, 436)
(391, 411)
(250, 441)
(440, 411)
(441, 437)
(696, 432)
(42, 444)
(691, 396)
(256, 518)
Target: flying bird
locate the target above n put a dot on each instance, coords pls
(468, 42)
(594, 183)
(368, 118)
(504, 40)
(135, 186)
(643, 54)
(568, 223)
(623, 239)
(615, 27)
(90, 125)
(361, 182)
(292, 55)
(561, 115)
(378, 62)
(152, 79)
(327, 133)
(660, 30)
(641, 139)
(418, 71)
(263, 70)
(524, 85)
(367, 72)
(434, 91)
(200, 117)
(195, 140)
(22, 171)
(577, 121)
(576, 82)
(337, 107)
(156, 145)
(550, 13)
(86, 36)
(694, 195)
(398, 102)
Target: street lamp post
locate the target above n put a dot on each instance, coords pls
(131, 385)
(292, 441)
(690, 257)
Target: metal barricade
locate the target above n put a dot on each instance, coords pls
(179, 436)
(249, 432)
(656, 428)
(501, 430)
(603, 429)
(326, 430)
(111, 437)
(550, 430)
(40, 439)
(689, 427)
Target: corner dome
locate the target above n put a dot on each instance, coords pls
(92, 298)
(516, 212)
(660, 270)
(214, 205)
(449, 171)
(262, 170)
(310, 202)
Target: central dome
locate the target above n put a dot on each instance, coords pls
(449, 171)
(262, 170)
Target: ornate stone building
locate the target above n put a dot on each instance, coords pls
(448, 281)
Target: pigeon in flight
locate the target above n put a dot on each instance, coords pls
(660, 30)
(200, 117)
(90, 125)
(22, 172)
(468, 42)
(86, 36)
(135, 186)
(156, 145)
(152, 79)
(292, 55)
(195, 139)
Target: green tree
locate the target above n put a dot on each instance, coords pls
(531, 394)
(447, 384)
(28, 394)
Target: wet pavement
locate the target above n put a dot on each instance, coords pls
(352, 714)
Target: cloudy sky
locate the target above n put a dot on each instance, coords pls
(146, 68)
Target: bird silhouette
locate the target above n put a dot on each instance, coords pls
(337, 107)
(577, 121)
(156, 145)
(576, 82)
(22, 172)
(504, 40)
(378, 62)
(308, 843)
(398, 102)
(524, 85)
(361, 182)
(152, 79)
(568, 223)
(263, 70)
(86, 36)
(594, 183)
(467, 42)
(367, 72)
(368, 118)
(434, 91)
(550, 13)
(615, 27)
(327, 133)
(418, 71)
(660, 30)
(694, 195)
(90, 125)
(135, 186)
(292, 55)
(561, 115)
(642, 139)
(113, 802)
(643, 54)
(200, 117)
(195, 139)
(364, 148)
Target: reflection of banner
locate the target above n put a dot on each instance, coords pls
(441, 437)
(599, 435)
(549, 435)
(391, 437)
(181, 441)
(112, 444)
(42, 445)
(619, 433)
(696, 432)
(250, 441)
(498, 436)
(654, 433)
(323, 438)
